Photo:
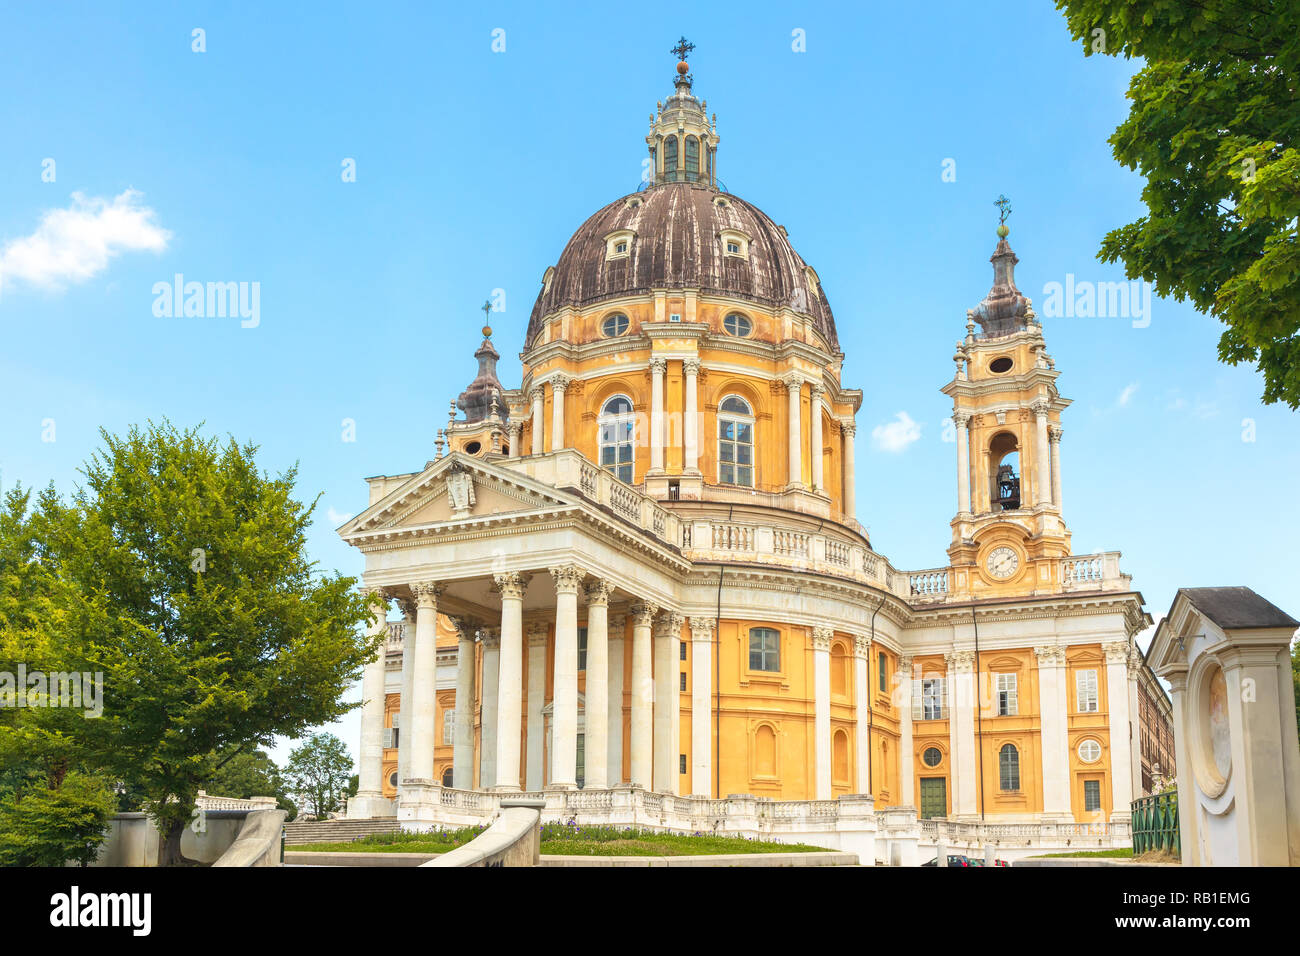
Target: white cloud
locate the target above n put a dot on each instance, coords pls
(1129, 390)
(896, 435)
(336, 517)
(74, 244)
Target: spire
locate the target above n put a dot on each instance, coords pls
(476, 401)
(1004, 309)
(683, 141)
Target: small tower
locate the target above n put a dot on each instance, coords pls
(682, 141)
(483, 429)
(1007, 412)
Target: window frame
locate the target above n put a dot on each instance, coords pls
(582, 648)
(1078, 750)
(925, 763)
(1093, 692)
(735, 332)
(624, 471)
(1006, 698)
(1008, 767)
(1097, 785)
(882, 669)
(924, 703)
(763, 651)
(737, 420)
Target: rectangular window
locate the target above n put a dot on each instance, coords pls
(930, 698)
(683, 681)
(883, 667)
(582, 648)
(1092, 795)
(681, 763)
(448, 726)
(682, 651)
(764, 649)
(1085, 684)
(1006, 690)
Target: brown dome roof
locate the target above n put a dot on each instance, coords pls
(677, 245)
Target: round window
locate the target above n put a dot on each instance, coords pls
(737, 324)
(1000, 365)
(1089, 751)
(392, 779)
(932, 757)
(473, 448)
(615, 325)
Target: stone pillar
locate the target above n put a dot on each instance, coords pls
(642, 695)
(962, 701)
(702, 706)
(537, 436)
(815, 450)
(1053, 719)
(408, 690)
(515, 429)
(487, 759)
(510, 689)
(906, 756)
(617, 632)
(821, 644)
(371, 770)
(558, 385)
(849, 430)
(1054, 436)
(1121, 769)
(658, 367)
(596, 740)
(1188, 825)
(424, 692)
(691, 427)
(794, 388)
(962, 421)
(1043, 478)
(462, 762)
(564, 697)
(667, 702)
(534, 773)
(1135, 664)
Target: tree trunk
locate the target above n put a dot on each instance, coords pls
(169, 848)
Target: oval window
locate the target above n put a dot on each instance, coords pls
(736, 324)
(473, 448)
(1000, 365)
(614, 326)
(932, 757)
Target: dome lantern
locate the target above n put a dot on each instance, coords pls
(682, 142)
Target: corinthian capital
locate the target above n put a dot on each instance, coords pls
(643, 614)
(658, 366)
(821, 638)
(511, 584)
(598, 592)
(691, 366)
(568, 578)
(849, 427)
(426, 593)
(702, 630)
(1040, 408)
(669, 624)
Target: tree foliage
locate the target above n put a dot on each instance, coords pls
(319, 771)
(1214, 127)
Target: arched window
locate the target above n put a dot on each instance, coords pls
(1009, 767)
(447, 777)
(692, 158)
(617, 437)
(1004, 453)
(735, 442)
(764, 649)
(670, 157)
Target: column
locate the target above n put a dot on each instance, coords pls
(515, 429)
(821, 644)
(642, 694)
(817, 390)
(371, 770)
(510, 687)
(1188, 825)
(462, 761)
(408, 690)
(1054, 434)
(667, 702)
(596, 739)
(1121, 770)
(487, 760)
(534, 774)
(558, 385)
(1043, 478)
(1053, 718)
(1135, 720)
(961, 731)
(794, 387)
(702, 706)
(424, 691)
(906, 755)
(617, 630)
(691, 427)
(962, 421)
(536, 395)
(657, 369)
(564, 697)
(849, 429)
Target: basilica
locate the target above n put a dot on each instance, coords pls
(641, 572)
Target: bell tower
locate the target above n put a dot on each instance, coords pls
(1007, 411)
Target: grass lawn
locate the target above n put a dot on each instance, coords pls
(1119, 852)
(561, 840)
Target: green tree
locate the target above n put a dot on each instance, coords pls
(1214, 127)
(252, 774)
(50, 826)
(319, 771)
(190, 588)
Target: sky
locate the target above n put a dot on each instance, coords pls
(375, 171)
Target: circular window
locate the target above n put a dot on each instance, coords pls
(737, 324)
(473, 448)
(932, 757)
(392, 779)
(1000, 365)
(615, 325)
(1089, 751)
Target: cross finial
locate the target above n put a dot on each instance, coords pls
(487, 315)
(1004, 208)
(683, 48)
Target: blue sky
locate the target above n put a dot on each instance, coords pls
(473, 167)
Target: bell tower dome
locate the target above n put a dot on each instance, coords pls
(1007, 413)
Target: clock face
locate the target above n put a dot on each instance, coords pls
(1002, 562)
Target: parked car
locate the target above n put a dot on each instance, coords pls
(953, 860)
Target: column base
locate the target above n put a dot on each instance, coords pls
(418, 801)
(368, 805)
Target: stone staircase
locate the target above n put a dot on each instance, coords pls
(335, 831)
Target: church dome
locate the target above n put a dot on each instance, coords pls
(678, 235)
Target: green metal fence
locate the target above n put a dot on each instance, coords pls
(1155, 823)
